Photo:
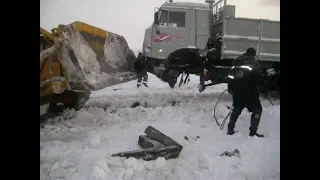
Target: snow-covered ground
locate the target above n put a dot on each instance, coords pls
(78, 145)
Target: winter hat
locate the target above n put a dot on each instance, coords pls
(251, 51)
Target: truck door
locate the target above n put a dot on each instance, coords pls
(176, 29)
(202, 29)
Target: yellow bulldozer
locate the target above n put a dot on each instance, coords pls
(78, 58)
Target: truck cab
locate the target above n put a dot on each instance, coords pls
(177, 25)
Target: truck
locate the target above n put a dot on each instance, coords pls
(204, 39)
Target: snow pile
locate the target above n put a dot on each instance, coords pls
(110, 168)
(79, 144)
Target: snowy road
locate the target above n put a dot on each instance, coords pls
(78, 144)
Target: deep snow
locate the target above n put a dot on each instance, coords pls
(78, 145)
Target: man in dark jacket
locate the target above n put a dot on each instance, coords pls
(244, 79)
(141, 70)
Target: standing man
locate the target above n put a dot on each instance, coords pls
(244, 79)
(141, 70)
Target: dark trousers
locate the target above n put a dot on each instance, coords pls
(252, 103)
(143, 78)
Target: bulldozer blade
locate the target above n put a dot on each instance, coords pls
(95, 57)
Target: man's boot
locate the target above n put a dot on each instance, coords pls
(254, 123)
(145, 84)
(255, 134)
(138, 85)
(231, 131)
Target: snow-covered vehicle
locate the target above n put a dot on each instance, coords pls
(205, 38)
(78, 58)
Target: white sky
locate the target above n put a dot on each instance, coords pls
(130, 18)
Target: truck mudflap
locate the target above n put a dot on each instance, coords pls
(94, 57)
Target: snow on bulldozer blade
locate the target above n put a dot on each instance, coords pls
(95, 56)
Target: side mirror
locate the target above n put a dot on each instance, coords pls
(156, 18)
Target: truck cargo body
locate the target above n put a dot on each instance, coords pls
(237, 34)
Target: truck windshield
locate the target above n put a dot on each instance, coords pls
(172, 19)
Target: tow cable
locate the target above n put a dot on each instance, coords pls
(225, 119)
(214, 113)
